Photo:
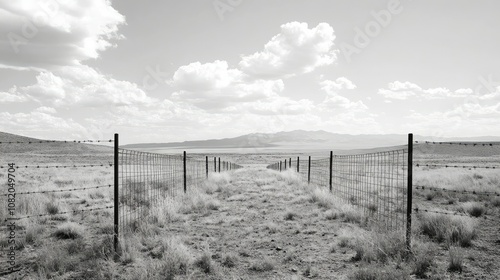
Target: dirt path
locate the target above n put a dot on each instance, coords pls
(264, 220)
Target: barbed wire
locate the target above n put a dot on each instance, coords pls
(62, 190)
(457, 166)
(416, 210)
(456, 191)
(56, 141)
(473, 144)
(60, 213)
(59, 166)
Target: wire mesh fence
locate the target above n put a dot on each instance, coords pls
(141, 179)
(146, 179)
(374, 182)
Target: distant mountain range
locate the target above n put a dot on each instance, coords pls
(298, 140)
(302, 139)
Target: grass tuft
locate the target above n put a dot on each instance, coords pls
(69, 231)
(456, 259)
(441, 228)
(204, 262)
(262, 265)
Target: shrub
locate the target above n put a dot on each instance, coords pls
(424, 259)
(290, 216)
(204, 262)
(69, 231)
(474, 209)
(331, 215)
(443, 228)
(496, 202)
(52, 207)
(229, 260)
(456, 259)
(264, 264)
(380, 247)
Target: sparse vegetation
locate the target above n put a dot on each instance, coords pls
(69, 231)
(456, 259)
(441, 228)
(262, 265)
(248, 217)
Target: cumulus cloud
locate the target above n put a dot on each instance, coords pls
(404, 90)
(13, 96)
(334, 101)
(40, 124)
(82, 86)
(47, 34)
(295, 50)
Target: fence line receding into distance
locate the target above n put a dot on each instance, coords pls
(141, 180)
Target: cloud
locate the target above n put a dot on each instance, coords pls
(82, 86)
(295, 50)
(334, 101)
(208, 76)
(13, 96)
(400, 95)
(46, 110)
(405, 90)
(214, 87)
(49, 34)
(40, 124)
(397, 85)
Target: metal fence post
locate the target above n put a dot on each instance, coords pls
(206, 165)
(410, 190)
(280, 165)
(185, 177)
(331, 169)
(298, 168)
(215, 164)
(309, 171)
(285, 164)
(290, 163)
(219, 164)
(116, 195)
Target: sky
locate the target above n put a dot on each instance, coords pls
(165, 71)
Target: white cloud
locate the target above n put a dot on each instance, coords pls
(46, 110)
(334, 101)
(295, 50)
(13, 96)
(338, 84)
(397, 85)
(400, 95)
(39, 124)
(404, 90)
(84, 87)
(47, 34)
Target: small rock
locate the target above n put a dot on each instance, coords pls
(294, 269)
(278, 249)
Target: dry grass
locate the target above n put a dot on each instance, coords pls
(69, 231)
(452, 230)
(475, 209)
(265, 264)
(456, 259)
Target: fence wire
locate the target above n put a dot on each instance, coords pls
(374, 182)
(145, 179)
